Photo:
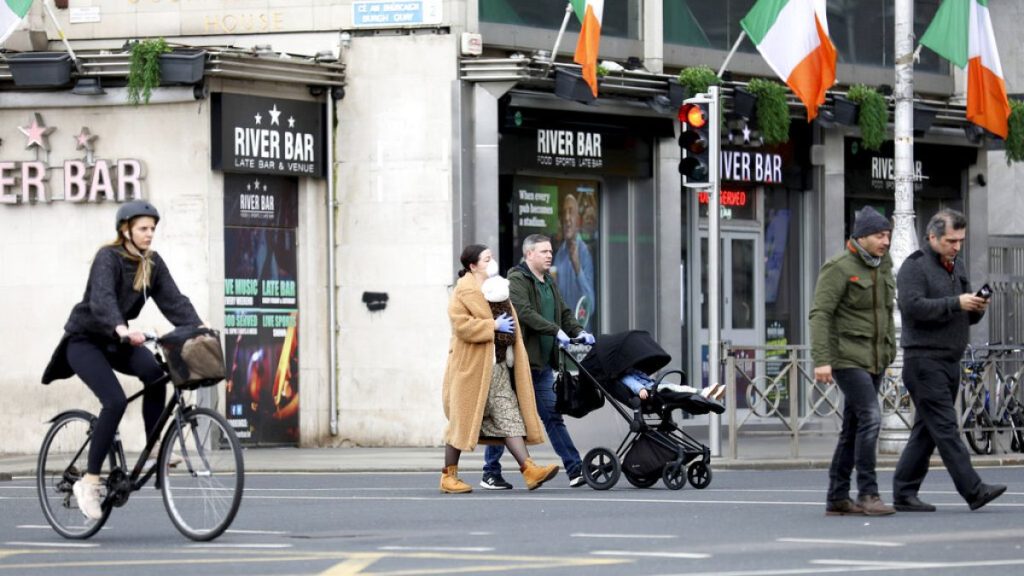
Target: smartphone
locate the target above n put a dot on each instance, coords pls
(984, 292)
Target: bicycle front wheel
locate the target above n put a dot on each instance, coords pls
(63, 460)
(201, 474)
(977, 430)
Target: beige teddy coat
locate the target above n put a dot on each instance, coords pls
(467, 377)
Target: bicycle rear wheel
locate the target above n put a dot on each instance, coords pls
(978, 431)
(203, 492)
(63, 459)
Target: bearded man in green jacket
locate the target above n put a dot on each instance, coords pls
(853, 341)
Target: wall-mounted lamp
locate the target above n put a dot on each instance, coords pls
(375, 301)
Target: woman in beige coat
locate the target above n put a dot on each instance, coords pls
(485, 400)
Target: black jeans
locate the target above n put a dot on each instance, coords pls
(858, 439)
(95, 363)
(933, 385)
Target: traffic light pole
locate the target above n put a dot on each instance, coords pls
(714, 266)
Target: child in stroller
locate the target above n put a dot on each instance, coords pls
(655, 447)
(644, 386)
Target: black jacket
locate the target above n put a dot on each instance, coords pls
(934, 325)
(110, 300)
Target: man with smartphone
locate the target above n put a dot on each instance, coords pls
(938, 308)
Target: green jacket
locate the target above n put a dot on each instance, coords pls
(852, 317)
(525, 297)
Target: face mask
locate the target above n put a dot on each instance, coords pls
(492, 268)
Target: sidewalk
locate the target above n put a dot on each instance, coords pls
(755, 452)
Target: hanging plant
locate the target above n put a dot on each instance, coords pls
(873, 118)
(697, 79)
(144, 70)
(772, 110)
(1015, 138)
(602, 71)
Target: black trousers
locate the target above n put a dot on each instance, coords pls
(858, 438)
(95, 363)
(933, 386)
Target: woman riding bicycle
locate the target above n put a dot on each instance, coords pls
(97, 340)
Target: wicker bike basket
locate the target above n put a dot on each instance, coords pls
(194, 355)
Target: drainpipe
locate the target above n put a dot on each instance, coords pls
(332, 287)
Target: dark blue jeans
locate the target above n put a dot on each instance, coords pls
(544, 391)
(858, 439)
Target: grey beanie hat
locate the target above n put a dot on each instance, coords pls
(869, 222)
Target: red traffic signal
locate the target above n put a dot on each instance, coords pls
(693, 115)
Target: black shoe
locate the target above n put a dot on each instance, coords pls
(912, 504)
(986, 494)
(577, 481)
(494, 482)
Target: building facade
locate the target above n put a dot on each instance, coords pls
(446, 131)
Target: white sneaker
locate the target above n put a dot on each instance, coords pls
(89, 500)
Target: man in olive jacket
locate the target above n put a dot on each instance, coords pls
(546, 323)
(853, 340)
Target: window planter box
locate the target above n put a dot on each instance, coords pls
(572, 86)
(182, 66)
(40, 69)
(743, 103)
(677, 93)
(845, 111)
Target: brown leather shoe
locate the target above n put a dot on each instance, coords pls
(450, 483)
(537, 475)
(845, 507)
(872, 505)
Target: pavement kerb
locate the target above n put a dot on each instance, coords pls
(298, 465)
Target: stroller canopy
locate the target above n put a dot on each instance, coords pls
(614, 354)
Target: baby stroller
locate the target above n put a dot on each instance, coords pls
(655, 446)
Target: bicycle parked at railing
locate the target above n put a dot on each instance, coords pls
(980, 419)
(199, 468)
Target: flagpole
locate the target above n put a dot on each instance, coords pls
(561, 32)
(60, 33)
(743, 34)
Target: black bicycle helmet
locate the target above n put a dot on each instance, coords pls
(134, 209)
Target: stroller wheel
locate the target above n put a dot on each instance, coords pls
(674, 476)
(699, 475)
(601, 469)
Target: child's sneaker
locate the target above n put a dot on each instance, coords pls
(494, 482)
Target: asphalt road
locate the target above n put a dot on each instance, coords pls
(748, 522)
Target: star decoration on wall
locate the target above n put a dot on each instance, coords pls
(275, 116)
(84, 140)
(258, 118)
(37, 133)
(291, 121)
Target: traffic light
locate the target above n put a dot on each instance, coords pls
(696, 143)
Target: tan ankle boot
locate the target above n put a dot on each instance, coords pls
(450, 483)
(537, 475)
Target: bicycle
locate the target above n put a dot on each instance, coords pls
(202, 493)
(980, 421)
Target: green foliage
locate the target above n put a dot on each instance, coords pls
(144, 71)
(1015, 138)
(873, 116)
(772, 110)
(601, 71)
(697, 79)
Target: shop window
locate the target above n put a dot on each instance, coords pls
(783, 281)
(621, 19)
(862, 30)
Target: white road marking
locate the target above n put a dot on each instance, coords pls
(54, 544)
(35, 526)
(952, 566)
(437, 548)
(226, 545)
(877, 563)
(686, 555)
(481, 533)
(841, 542)
(636, 536)
(268, 532)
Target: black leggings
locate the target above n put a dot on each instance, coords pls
(95, 365)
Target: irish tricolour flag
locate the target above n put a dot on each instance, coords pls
(792, 36)
(962, 33)
(12, 12)
(589, 13)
